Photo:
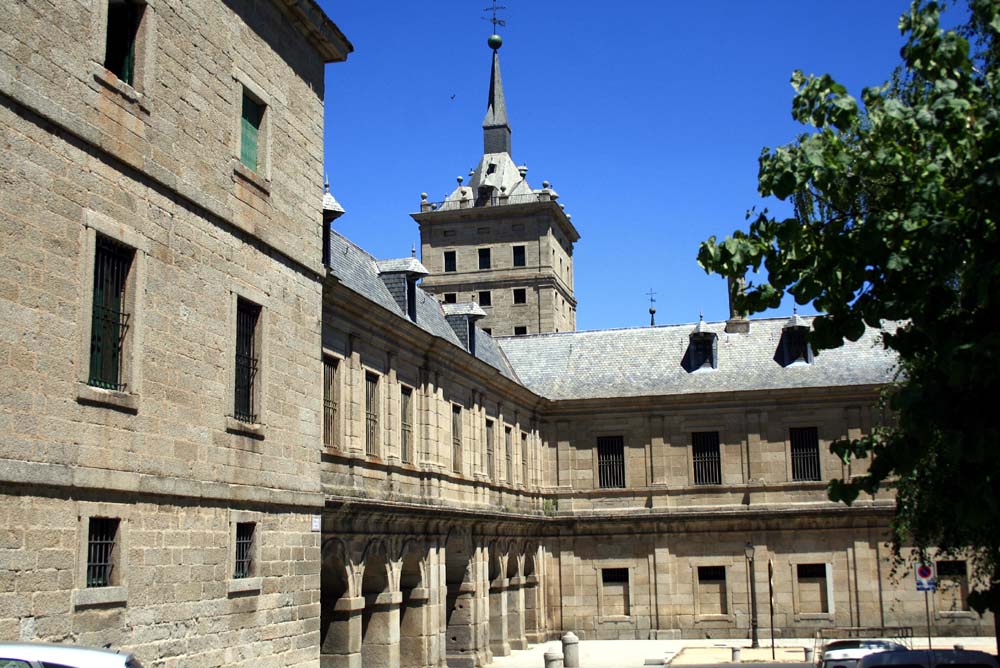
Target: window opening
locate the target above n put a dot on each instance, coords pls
(805, 453)
(244, 549)
(508, 455)
(456, 438)
(124, 18)
(406, 424)
(520, 296)
(329, 401)
(484, 258)
(450, 298)
(707, 461)
(485, 298)
(251, 120)
(247, 361)
(449, 261)
(109, 319)
(519, 257)
(520, 330)
(490, 471)
(102, 533)
(611, 462)
(371, 414)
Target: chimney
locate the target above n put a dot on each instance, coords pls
(462, 318)
(737, 323)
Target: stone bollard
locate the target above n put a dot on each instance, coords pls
(809, 654)
(737, 651)
(571, 650)
(553, 660)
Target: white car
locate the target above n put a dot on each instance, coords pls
(49, 655)
(847, 653)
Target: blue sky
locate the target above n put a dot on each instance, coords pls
(646, 117)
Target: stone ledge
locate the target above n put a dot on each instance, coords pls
(244, 585)
(252, 429)
(347, 604)
(100, 596)
(113, 83)
(123, 401)
(261, 183)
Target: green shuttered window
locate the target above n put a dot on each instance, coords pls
(124, 19)
(250, 125)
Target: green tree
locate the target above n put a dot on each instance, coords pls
(895, 224)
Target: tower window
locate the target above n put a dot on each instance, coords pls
(519, 257)
(520, 330)
(450, 298)
(485, 298)
(449, 261)
(484, 258)
(520, 296)
(124, 19)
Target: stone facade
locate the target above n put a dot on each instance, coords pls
(393, 486)
(146, 166)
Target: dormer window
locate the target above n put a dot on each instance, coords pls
(702, 352)
(484, 196)
(794, 345)
(411, 297)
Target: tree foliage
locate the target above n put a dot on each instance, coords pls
(895, 223)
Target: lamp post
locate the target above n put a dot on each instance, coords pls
(748, 550)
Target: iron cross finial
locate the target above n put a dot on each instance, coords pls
(652, 296)
(493, 18)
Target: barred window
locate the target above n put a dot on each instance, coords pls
(110, 318)
(490, 471)
(244, 550)
(102, 553)
(456, 438)
(611, 462)
(508, 455)
(330, 397)
(706, 457)
(805, 453)
(406, 424)
(247, 360)
(371, 414)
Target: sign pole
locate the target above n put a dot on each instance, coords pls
(927, 609)
(770, 600)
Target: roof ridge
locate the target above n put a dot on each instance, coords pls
(640, 327)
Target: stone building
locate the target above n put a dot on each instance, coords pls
(229, 436)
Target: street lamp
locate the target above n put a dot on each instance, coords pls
(748, 550)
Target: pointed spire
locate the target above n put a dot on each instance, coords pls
(496, 127)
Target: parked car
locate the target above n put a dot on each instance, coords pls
(847, 653)
(50, 655)
(926, 658)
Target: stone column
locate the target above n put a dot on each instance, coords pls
(532, 609)
(380, 641)
(415, 626)
(499, 644)
(515, 614)
(462, 647)
(342, 645)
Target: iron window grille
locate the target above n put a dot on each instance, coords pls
(614, 576)
(449, 261)
(706, 457)
(371, 415)
(805, 453)
(611, 462)
(102, 533)
(110, 320)
(124, 18)
(484, 258)
(244, 550)
(456, 438)
(519, 258)
(524, 459)
(247, 361)
(489, 450)
(508, 455)
(329, 401)
(711, 574)
(406, 424)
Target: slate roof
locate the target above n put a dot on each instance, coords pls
(406, 265)
(359, 272)
(468, 308)
(647, 362)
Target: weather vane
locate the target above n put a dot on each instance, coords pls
(652, 309)
(494, 20)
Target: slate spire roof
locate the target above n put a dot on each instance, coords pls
(496, 127)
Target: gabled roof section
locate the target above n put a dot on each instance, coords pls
(648, 362)
(403, 265)
(359, 272)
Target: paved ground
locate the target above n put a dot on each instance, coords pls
(789, 652)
